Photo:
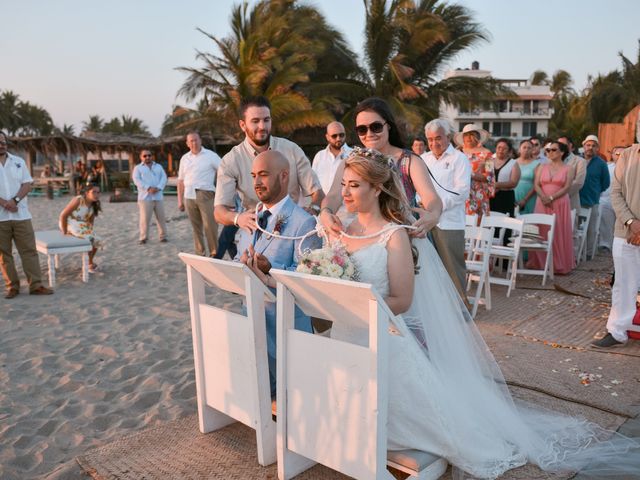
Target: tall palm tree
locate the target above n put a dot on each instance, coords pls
(273, 50)
(133, 126)
(408, 44)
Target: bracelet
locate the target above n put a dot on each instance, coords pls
(315, 208)
(326, 208)
(235, 219)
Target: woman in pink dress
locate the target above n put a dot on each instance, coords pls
(552, 182)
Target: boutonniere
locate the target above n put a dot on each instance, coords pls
(18, 165)
(281, 220)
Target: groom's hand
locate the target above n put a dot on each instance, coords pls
(260, 261)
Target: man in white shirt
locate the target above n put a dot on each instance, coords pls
(537, 152)
(196, 192)
(327, 161)
(150, 179)
(15, 225)
(452, 174)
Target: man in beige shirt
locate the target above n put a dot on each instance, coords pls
(234, 174)
(625, 198)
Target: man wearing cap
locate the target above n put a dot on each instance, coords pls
(596, 181)
(625, 198)
(15, 225)
(327, 161)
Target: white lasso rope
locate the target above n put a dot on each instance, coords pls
(321, 231)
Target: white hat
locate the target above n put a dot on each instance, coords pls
(591, 138)
(484, 135)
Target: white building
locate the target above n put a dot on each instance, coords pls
(515, 118)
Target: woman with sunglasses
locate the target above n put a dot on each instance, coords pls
(377, 129)
(552, 183)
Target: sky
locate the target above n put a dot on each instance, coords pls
(77, 58)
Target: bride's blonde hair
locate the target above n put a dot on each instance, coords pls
(381, 172)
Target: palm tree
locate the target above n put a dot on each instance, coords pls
(23, 118)
(95, 124)
(408, 44)
(273, 50)
(133, 126)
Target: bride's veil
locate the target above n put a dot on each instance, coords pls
(478, 400)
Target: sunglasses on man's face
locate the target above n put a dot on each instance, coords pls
(337, 135)
(375, 127)
(549, 150)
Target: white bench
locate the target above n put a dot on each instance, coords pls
(230, 352)
(332, 395)
(52, 243)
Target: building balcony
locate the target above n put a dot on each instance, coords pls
(515, 114)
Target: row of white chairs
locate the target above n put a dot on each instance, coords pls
(486, 251)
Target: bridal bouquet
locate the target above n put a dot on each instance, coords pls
(332, 260)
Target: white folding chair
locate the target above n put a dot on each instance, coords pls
(230, 352)
(332, 394)
(477, 264)
(499, 240)
(471, 220)
(580, 234)
(509, 252)
(597, 227)
(532, 241)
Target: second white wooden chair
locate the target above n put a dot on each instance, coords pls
(332, 394)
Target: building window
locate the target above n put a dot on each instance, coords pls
(461, 125)
(536, 106)
(501, 106)
(529, 129)
(501, 129)
(527, 106)
(486, 126)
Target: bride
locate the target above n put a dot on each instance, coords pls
(447, 395)
(450, 398)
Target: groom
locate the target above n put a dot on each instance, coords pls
(280, 215)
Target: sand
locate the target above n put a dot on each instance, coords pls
(99, 360)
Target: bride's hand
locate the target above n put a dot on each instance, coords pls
(330, 222)
(424, 223)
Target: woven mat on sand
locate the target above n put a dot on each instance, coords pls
(177, 450)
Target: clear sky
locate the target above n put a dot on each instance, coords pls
(78, 58)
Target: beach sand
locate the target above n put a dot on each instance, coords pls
(99, 360)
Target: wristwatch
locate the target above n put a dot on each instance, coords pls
(629, 222)
(17, 199)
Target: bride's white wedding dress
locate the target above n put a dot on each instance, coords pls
(447, 395)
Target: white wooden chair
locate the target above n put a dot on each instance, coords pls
(332, 395)
(596, 239)
(471, 220)
(230, 352)
(499, 240)
(477, 264)
(510, 252)
(580, 234)
(532, 241)
(54, 243)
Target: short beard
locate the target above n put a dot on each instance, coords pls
(260, 143)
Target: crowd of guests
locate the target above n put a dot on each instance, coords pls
(445, 175)
(542, 176)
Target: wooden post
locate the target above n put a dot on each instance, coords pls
(132, 162)
(170, 163)
(31, 160)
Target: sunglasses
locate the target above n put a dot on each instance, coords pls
(550, 150)
(337, 135)
(146, 156)
(375, 127)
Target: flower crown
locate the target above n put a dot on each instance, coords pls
(374, 155)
